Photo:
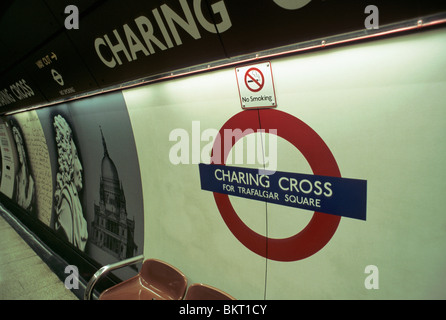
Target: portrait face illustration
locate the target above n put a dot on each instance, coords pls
(69, 220)
(77, 167)
(24, 189)
(19, 142)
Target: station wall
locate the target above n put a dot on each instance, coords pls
(371, 112)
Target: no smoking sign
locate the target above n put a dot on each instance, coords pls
(256, 86)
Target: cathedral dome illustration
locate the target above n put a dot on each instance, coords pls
(113, 231)
(108, 168)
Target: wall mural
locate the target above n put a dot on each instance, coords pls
(112, 230)
(69, 219)
(76, 170)
(24, 187)
(26, 167)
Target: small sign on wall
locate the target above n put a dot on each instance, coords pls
(256, 86)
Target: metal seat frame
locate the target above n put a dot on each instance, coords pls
(105, 270)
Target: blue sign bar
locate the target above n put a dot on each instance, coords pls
(332, 195)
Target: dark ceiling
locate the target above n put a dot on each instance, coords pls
(119, 41)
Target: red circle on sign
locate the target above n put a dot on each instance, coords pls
(321, 227)
(253, 79)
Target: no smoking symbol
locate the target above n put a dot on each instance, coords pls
(254, 80)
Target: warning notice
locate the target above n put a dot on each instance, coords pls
(256, 87)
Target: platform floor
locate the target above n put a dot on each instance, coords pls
(23, 274)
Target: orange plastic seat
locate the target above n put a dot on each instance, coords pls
(157, 280)
(199, 291)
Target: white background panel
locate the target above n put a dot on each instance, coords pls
(379, 107)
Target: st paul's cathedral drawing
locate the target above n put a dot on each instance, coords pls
(112, 231)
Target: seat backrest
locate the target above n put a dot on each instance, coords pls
(199, 291)
(164, 279)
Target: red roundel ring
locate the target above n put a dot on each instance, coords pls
(322, 226)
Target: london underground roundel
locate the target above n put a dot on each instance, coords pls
(321, 227)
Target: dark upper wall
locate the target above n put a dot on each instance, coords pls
(43, 61)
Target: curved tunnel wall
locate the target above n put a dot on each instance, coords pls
(119, 174)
